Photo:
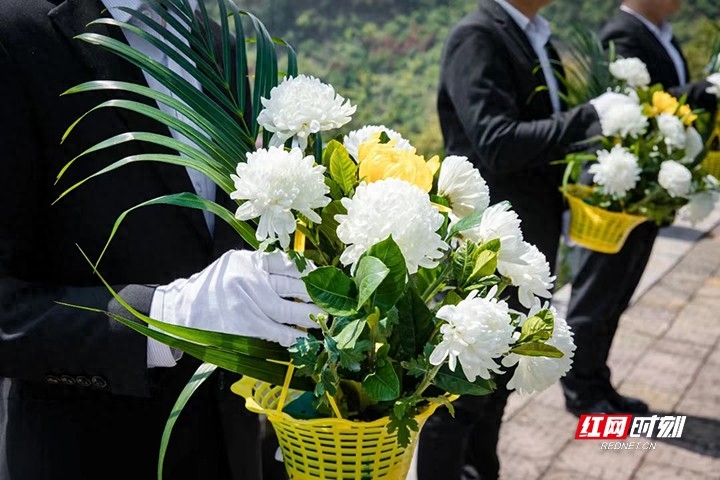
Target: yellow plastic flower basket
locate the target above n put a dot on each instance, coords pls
(595, 228)
(711, 162)
(330, 448)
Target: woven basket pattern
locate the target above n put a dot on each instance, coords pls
(594, 228)
(331, 448)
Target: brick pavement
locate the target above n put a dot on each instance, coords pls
(666, 351)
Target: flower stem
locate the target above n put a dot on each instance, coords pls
(431, 290)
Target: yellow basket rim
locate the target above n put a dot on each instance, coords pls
(244, 388)
(577, 193)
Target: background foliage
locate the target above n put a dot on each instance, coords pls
(384, 55)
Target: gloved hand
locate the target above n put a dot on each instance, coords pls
(607, 101)
(242, 293)
(714, 88)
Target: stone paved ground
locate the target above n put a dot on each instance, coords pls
(666, 351)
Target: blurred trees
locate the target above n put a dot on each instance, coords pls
(384, 54)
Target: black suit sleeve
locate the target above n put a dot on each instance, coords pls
(479, 81)
(39, 337)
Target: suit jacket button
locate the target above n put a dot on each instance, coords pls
(99, 382)
(83, 381)
(52, 379)
(67, 380)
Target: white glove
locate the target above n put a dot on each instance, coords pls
(609, 100)
(714, 88)
(242, 293)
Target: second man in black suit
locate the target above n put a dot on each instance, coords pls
(604, 284)
(499, 104)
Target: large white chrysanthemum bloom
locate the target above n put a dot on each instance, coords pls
(693, 145)
(461, 183)
(500, 222)
(623, 120)
(616, 171)
(673, 131)
(300, 106)
(391, 207)
(532, 279)
(701, 204)
(478, 330)
(631, 70)
(534, 374)
(675, 178)
(352, 140)
(275, 182)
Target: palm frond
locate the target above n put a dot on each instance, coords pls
(586, 66)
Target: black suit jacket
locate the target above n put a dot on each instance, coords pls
(632, 39)
(82, 404)
(490, 112)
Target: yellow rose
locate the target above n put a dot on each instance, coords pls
(382, 160)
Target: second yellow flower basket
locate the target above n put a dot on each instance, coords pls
(595, 228)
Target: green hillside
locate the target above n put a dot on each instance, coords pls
(384, 54)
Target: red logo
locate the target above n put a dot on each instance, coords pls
(603, 427)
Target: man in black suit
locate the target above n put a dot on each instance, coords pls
(88, 398)
(604, 284)
(499, 105)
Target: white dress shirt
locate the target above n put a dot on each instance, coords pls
(538, 33)
(664, 35)
(159, 354)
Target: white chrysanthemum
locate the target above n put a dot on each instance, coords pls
(500, 222)
(533, 278)
(699, 207)
(631, 70)
(623, 120)
(352, 140)
(616, 171)
(673, 129)
(478, 330)
(300, 106)
(675, 178)
(693, 145)
(463, 186)
(391, 207)
(275, 182)
(714, 88)
(534, 374)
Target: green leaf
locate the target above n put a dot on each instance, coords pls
(539, 327)
(369, 274)
(383, 384)
(343, 170)
(393, 286)
(332, 290)
(347, 337)
(350, 358)
(456, 383)
(471, 221)
(414, 328)
(200, 375)
(189, 200)
(537, 349)
(402, 422)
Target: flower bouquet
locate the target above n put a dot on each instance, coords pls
(645, 169)
(711, 162)
(407, 260)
